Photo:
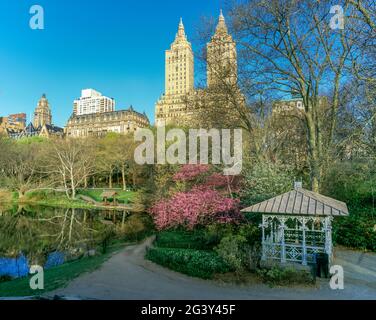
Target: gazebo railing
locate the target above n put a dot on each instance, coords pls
(293, 252)
(312, 237)
(282, 241)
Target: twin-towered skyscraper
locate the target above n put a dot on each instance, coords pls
(172, 107)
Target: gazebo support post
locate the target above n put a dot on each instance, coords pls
(263, 257)
(304, 258)
(283, 244)
(328, 237)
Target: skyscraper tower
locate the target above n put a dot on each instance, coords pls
(42, 113)
(179, 65)
(221, 56)
(181, 104)
(179, 80)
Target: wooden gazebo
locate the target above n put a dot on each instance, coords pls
(106, 195)
(297, 225)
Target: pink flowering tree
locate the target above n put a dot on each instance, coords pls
(190, 172)
(206, 200)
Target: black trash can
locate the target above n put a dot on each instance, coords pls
(322, 265)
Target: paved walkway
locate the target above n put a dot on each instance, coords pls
(128, 276)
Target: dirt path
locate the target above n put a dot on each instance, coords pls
(128, 276)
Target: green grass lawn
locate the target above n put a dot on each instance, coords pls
(54, 199)
(7, 196)
(57, 277)
(123, 196)
(59, 199)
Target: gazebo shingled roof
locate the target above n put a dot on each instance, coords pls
(301, 202)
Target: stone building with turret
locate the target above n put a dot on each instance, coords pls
(41, 126)
(42, 113)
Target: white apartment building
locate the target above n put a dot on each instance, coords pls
(92, 101)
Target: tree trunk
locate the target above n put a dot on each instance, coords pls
(313, 153)
(110, 181)
(21, 194)
(123, 177)
(73, 186)
(71, 225)
(65, 185)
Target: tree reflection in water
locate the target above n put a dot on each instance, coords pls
(38, 231)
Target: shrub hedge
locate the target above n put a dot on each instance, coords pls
(183, 240)
(196, 263)
(357, 230)
(277, 276)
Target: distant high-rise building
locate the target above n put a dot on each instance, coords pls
(92, 101)
(42, 113)
(179, 76)
(13, 123)
(288, 105)
(17, 119)
(180, 102)
(221, 56)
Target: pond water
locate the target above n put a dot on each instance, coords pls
(51, 236)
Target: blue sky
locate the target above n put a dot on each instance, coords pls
(114, 46)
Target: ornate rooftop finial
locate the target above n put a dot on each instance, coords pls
(221, 17)
(298, 184)
(181, 31)
(221, 27)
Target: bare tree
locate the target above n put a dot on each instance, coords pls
(71, 161)
(106, 155)
(125, 161)
(20, 165)
(287, 49)
(361, 91)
